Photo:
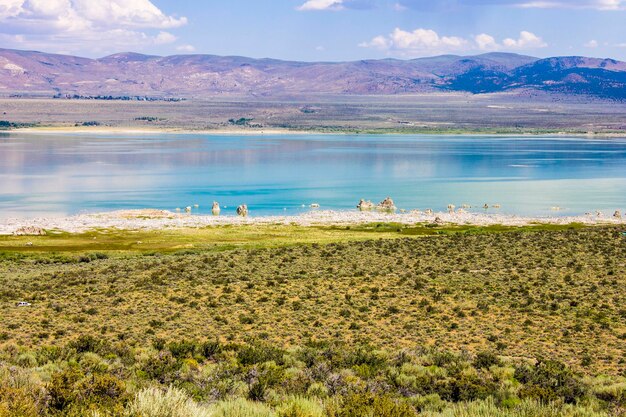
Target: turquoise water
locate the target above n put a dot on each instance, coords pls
(55, 174)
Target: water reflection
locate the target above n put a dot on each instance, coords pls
(62, 174)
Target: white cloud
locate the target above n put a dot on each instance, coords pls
(428, 42)
(399, 7)
(310, 5)
(576, 4)
(85, 25)
(10, 8)
(416, 42)
(591, 44)
(379, 42)
(185, 48)
(486, 42)
(526, 40)
(540, 4)
(164, 38)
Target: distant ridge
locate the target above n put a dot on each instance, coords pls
(201, 76)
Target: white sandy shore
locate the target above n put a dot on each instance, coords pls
(234, 131)
(157, 219)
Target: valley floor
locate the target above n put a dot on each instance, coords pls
(443, 113)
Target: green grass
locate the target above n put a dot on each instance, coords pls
(221, 238)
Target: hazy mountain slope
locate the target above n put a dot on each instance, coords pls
(573, 75)
(132, 74)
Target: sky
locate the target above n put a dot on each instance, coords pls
(316, 30)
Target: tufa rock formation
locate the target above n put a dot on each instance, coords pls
(29, 231)
(387, 205)
(242, 210)
(365, 205)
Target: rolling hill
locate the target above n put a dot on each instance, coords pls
(201, 76)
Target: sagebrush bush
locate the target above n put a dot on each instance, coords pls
(172, 402)
(241, 408)
(369, 405)
(528, 408)
(300, 407)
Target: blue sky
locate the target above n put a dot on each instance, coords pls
(315, 30)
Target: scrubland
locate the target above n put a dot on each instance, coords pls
(449, 113)
(380, 320)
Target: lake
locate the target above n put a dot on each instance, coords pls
(59, 174)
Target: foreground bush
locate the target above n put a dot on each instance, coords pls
(209, 379)
(154, 402)
(525, 409)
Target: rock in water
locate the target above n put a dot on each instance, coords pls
(216, 208)
(29, 231)
(387, 205)
(242, 210)
(365, 205)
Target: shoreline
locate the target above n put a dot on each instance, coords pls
(165, 130)
(140, 130)
(148, 219)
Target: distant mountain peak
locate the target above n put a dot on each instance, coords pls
(128, 57)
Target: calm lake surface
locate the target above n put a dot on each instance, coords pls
(59, 174)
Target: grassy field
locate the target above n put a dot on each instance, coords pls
(220, 238)
(393, 315)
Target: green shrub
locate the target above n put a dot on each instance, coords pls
(485, 360)
(318, 390)
(104, 390)
(240, 408)
(210, 348)
(367, 404)
(87, 343)
(182, 349)
(528, 408)
(27, 360)
(22, 393)
(255, 353)
(161, 367)
(18, 402)
(62, 387)
(300, 407)
(549, 380)
(153, 402)
(614, 394)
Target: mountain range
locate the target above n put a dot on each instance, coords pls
(203, 76)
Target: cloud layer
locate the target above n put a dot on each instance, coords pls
(316, 5)
(74, 25)
(575, 4)
(453, 4)
(421, 42)
(321, 5)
